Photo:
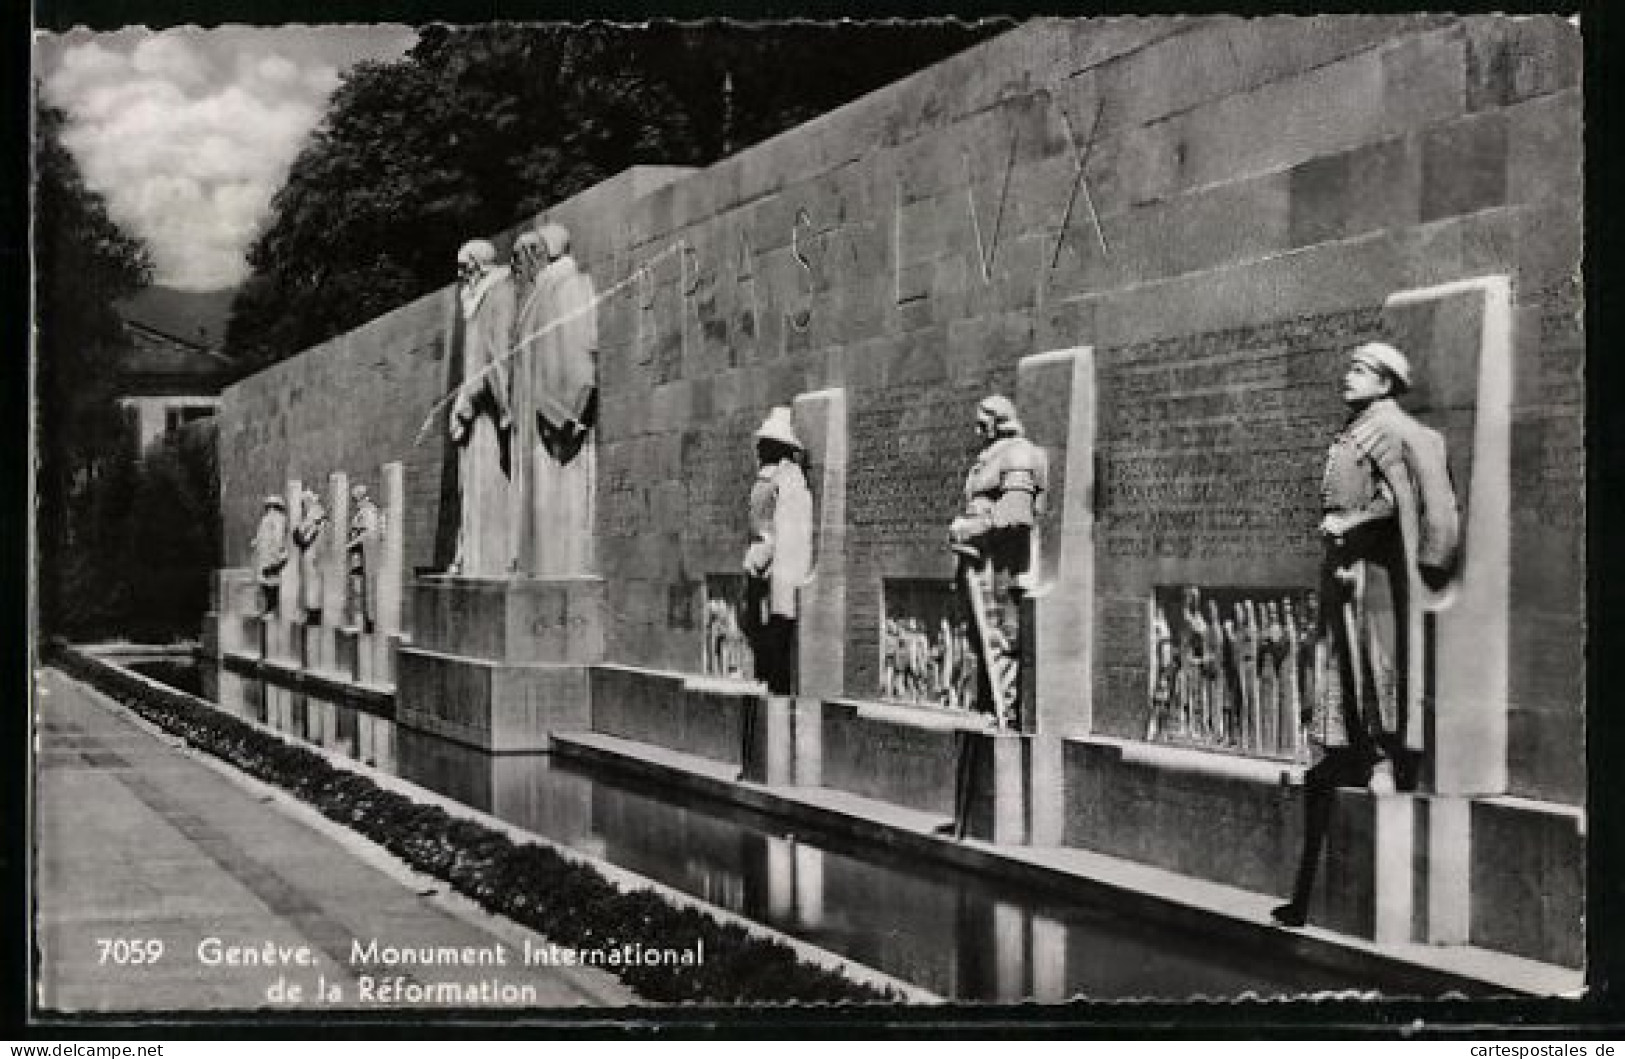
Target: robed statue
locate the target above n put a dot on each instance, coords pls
(480, 418)
(555, 407)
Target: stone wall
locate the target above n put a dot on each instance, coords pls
(1254, 190)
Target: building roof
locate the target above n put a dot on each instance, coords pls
(157, 362)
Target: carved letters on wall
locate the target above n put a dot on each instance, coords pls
(815, 236)
(1221, 454)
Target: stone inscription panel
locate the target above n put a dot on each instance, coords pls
(718, 466)
(1214, 442)
(910, 449)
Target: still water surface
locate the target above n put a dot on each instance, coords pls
(959, 934)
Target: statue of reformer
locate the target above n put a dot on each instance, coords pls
(555, 406)
(270, 548)
(994, 542)
(480, 419)
(309, 534)
(1391, 533)
(778, 561)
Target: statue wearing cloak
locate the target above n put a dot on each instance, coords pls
(555, 409)
(480, 415)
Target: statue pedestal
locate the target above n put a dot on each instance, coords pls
(501, 664)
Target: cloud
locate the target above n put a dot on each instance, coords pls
(189, 133)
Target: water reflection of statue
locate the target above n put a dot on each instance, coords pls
(779, 559)
(363, 548)
(270, 548)
(308, 534)
(480, 416)
(993, 539)
(555, 404)
(1390, 529)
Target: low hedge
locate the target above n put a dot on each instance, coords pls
(568, 902)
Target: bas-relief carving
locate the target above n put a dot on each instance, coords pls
(726, 650)
(1231, 668)
(270, 551)
(926, 652)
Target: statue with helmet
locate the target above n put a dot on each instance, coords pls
(1390, 530)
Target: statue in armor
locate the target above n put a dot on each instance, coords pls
(994, 540)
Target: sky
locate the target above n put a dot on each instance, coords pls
(188, 132)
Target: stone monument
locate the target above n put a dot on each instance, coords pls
(1391, 533)
(555, 407)
(310, 537)
(994, 542)
(362, 547)
(779, 558)
(481, 421)
(501, 644)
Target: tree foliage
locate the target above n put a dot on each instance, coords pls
(83, 263)
(477, 128)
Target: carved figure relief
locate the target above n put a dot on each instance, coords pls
(925, 661)
(727, 650)
(1223, 669)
